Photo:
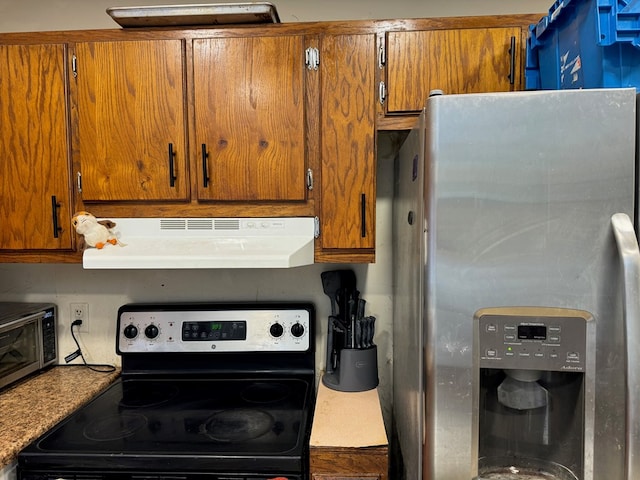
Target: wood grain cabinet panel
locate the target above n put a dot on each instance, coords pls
(250, 124)
(347, 137)
(131, 120)
(340, 463)
(466, 60)
(343, 477)
(35, 201)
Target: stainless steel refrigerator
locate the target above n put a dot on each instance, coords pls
(505, 231)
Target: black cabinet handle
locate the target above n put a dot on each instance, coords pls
(512, 61)
(363, 215)
(172, 172)
(205, 172)
(54, 212)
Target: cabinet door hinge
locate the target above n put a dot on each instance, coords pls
(382, 56)
(382, 93)
(316, 227)
(312, 58)
(309, 179)
(79, 182)
(74, 65)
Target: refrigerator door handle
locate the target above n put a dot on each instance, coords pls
(629, 255)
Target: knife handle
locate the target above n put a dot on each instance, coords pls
(361, 304)
(372, 330)
(329, 358)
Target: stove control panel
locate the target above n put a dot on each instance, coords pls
(214, 331)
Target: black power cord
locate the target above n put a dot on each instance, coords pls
(96, 367)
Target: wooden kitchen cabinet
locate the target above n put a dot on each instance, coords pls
(225, 121)
(249, 104)
(250, 118)
(348, 147)
(131, 141)
(36, 201)
(461, 60)
(350, 464)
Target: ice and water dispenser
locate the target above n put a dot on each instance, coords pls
(534, 380)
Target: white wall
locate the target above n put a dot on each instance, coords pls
(105, 291)
(36, 15)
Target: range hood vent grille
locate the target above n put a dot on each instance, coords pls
(173, 224)
(227, 224)
(199, 224)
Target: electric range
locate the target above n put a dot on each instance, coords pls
(222, 391)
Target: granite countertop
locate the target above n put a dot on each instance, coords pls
(32, 406)
(347, 419)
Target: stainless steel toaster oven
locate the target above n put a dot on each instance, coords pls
(27, 339)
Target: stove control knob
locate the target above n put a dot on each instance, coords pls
(276, 330)
(297, 330)
(130, 331)
(151, 331)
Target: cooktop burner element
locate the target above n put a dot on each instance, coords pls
(114, 427)
(238, 425)
(208, 407)
(139, 396)
(262, 392)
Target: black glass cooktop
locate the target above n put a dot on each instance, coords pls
(184, 424)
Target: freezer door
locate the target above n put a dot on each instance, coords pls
(519, 191)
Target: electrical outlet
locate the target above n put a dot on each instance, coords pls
(80, 311)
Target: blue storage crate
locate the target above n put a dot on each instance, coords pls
(585, 44)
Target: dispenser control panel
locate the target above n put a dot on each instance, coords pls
(539, 338)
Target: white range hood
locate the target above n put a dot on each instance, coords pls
(188, 243)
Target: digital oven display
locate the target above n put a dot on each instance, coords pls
(532, 332)
(214, 330)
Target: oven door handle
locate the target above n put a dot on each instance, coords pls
(629, 256)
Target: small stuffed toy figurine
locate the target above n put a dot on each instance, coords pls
(96, 233)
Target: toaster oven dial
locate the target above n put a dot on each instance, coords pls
(130, 332)
(151, 331)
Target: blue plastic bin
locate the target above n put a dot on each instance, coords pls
(585, 44)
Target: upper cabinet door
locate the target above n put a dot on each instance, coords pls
(347, 125)
(35, 201)
(249, 118)
(468, 60)
(131, 121)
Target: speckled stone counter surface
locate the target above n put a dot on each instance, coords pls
(30, 407)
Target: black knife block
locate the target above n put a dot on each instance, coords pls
(357, 370)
